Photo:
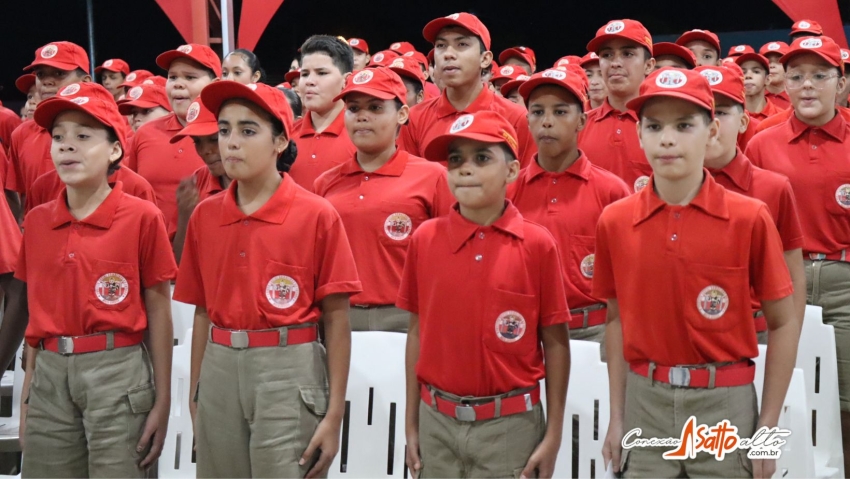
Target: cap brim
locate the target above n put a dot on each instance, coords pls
(528, 86)
(379, 94)
(407, 74)
(49, 109)
(513, 53)
(439, 146)
(755, 57)
(60, 65)
(195, 129)
(637, 103)
(688, 37)
(434, 26)
(740, 100)
(126, 107)
(596, 43)
(510, 86)
(588, 62)
(788, 56)
(216, 93)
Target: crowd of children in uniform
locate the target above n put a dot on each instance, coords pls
(673, 205)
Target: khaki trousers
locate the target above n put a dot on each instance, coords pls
(379, 318)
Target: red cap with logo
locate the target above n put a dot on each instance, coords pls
(485, 126)
(88, 97)
(753, 57)
(65, 56)
(144, 96)
(402, 47)
(823, 47)
(740, 50)
(463, 20)
(381, 83)
(507, 72)
(588, 59)
(699, 35)
(269, 98)
(359, 44)
(430, 57)
(512, 85)
(625, 29)
(155, 80)
(567, 60)
(688, 85)
(569, 80)
(383, 58)
(779, 48)
(525, 54)
(666, 48)
(114, 65)
(845, 56)
(192, 51)
(135, 78)
(200, 121)
(417, 57)
(25, 82)
(292, 75)
(408, 67)
(724, 81)
(806, 26)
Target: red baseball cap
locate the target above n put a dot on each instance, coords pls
(381, 83)
(806, 26)
(700, 35)
(136, 77)
(571, 81)
(626, 29)
(359, 44)
(845, 56)
(823, 47)
(740, 50)
(509, 72)
(88, 97)
(155, 80)
(417, 57)
(525, 54)
(463, 20)
(65, 56)
(724, 81)
(200, 121)
(688, 85)
(269, 98)
(780, 48)
(192, 51)
(485, 126)
(144, 96)
(676, 50)
(586, 60)
(292, 75)
(746, 57)
(512, 85)
(25, 82)
(402, 47)
(578, 70)
(430, 57)
(408, 67)
(568, 60)
(382, 58)
(114, 65)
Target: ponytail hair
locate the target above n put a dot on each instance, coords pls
(287, 158)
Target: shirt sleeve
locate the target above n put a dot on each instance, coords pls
(788, 222)
(157, 258)
(406, 140)
(14, 180)
(334, 263)
(21, 266)
(603, 272)
(527, 146)
(189, 288)
(553, 296)
(443, 198)
(408, 291)
(768, 271)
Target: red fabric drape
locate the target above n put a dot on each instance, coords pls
(824, 12)
(256, 15)
(180, 14)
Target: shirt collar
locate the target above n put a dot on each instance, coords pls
(834, 128)
(336, 127)
(274, 211)
(579, 169)
(461, 229)
(101, 217)
(606, 110)
(393, 167)
(482, 102)
(172, 123)
(711, 199)
(739, 170)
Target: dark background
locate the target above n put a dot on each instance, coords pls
(138, 30)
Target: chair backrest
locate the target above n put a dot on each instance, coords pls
(176, 458)
(373, 438)
(183, 319)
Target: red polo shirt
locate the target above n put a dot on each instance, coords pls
(745, 137)
(482, 294)
(9, 120)
(319, 152)
(29, 155)
(682, 274)
(432, 118)
(768, 111)
(785, 115)
(269, 269)
(780, 99)
(610, 140)
(10, 238)
(88, 276)
(380, 211)
(206, 183)
(568, 204)
(164, 164)
(48, 187)
(815, 160)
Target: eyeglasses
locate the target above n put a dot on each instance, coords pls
(795, 81)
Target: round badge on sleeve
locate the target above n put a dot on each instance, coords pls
(111, 288)
(556, 74)
(107, 63)
(615, 27)
(671, 79)
(842, 196)
(49, 51)
(712, 302)
(510, 326)
(398, 226)
(282, 291)
(587, 265)
(714, 77)
(185, 49)
(641, 183)
(365, 76)
(71, 89)
(135, 93)
(193, 112)
(463, 122)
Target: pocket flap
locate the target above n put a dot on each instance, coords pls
(141, 398)
(316, 399)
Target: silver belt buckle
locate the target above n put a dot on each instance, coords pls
(817, 256)
(680, 377)
(465, 413)
(239, 339)
(65, 345)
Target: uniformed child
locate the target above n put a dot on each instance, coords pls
(485, 289)
(733, 170)
(283, 257)
(510, 89)
(382, 194)
(360, 49)
(322, 140)
(12, 290)
(738, 50)
(382, 58)
(135, 78)
(144, 103)
(775, 90)
(89, 405)
(402, 47)
(505, 74)
(811, 148)
(704, 44)
(596, 89)
(672, 55)
(681, 344)
(414, 79)
(243, 66)
(190, 68)
(522, 57)
(564, 192)
(609, 138)
(462, 52)
(843, 98)
(755, 69)
(805, 28)
(26, 85)
(112, 74)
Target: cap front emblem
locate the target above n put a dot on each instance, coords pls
(671, 79)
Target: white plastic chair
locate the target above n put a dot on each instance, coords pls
(176, 458)
(183, 319)
(373, 440)
(816, 355)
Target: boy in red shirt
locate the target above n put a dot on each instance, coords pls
(596, 89)
(414, 79)
(485, 289)
(522, 57)
(360, 50)
(668, 54)
(775, 91)
(704, 44)
(144, 103)
(112, 74)
(755, 69)
(805, 28)
(689, 354)
(462, 52)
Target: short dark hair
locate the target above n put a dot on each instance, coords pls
(112, 137)
(79, 72)
(340, 52)
(646, 54)
(252, 61)
(294, 100)
(509, 154)
(416, 85)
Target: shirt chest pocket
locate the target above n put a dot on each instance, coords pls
(285, 288)
(838, 194)
(113, 286)
(396, 222)
(581, 260)
(715, 298)
(510, 323)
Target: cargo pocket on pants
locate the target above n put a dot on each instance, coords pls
(315, 398)
(141, 399)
